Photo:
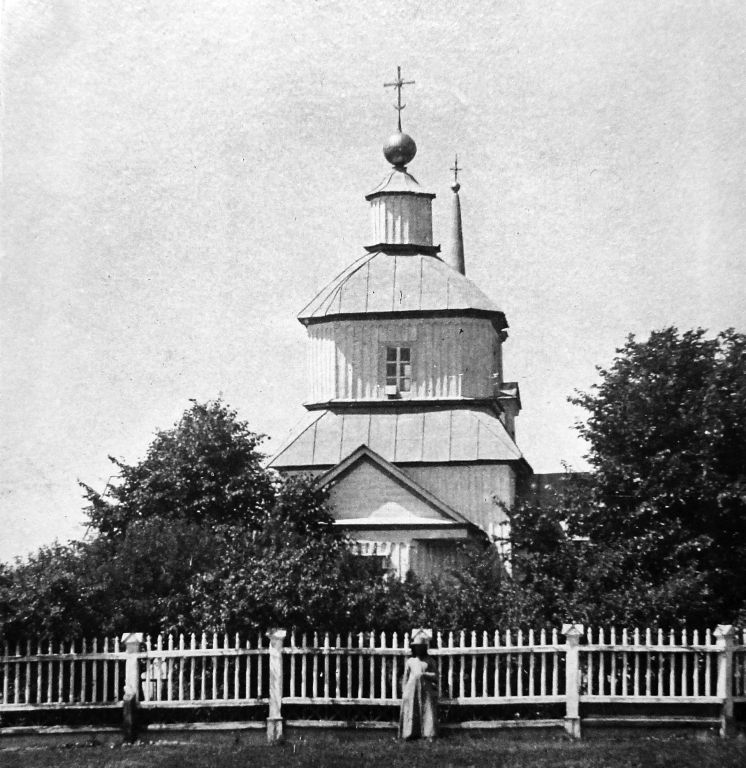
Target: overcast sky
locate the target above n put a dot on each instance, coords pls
(179, 179)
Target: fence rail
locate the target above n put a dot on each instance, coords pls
(574, 667)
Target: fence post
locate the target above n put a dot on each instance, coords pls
(132, 642)
(724, 634)
(572, 633)
(274, 721)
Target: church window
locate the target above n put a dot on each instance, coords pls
(398, 370)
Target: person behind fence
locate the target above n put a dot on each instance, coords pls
(419, 705)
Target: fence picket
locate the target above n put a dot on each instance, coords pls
(484, 665)
(326, 665)
(496, 673)
(50, 673)
(170, 670)
(360, 666)
(372, 667)
(508, 664)
(203, 668)
(601, 663)
(395, 665)
(555, 663)
(303, 668)
(71, 692)
(543, 662)
(383, 667)
(257, 672)
(473, 675)
(116, 675)
(625, 668)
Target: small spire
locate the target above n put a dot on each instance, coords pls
(455, 255)
(398, 84)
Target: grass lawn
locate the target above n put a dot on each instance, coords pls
(459, 752)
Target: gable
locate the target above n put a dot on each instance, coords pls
(367, 493)
(366, 490)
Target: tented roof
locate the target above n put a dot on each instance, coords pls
(400, 436)
(383, 282)
(398, 181)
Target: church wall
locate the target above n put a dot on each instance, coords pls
(451, 357)
(469, 489)
(366, 491)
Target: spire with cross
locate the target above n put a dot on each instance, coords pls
(398, 84)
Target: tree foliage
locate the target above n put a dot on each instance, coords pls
(206, 469)
(657, 531)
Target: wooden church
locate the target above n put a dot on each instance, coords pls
(410, 421)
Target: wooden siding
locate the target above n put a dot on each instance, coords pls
(469, 489)
(401, 220)
(367, 492)
(451, 357)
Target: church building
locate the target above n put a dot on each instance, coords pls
(410, 422)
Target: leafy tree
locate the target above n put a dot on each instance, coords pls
(657, 531)
(42, 598)
(667, 436)
(206, 469)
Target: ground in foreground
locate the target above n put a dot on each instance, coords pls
(462, 752)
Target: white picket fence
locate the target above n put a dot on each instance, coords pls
(572, 667)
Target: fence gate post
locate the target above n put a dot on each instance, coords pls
(572, 633)
(274, 721)
(724, 634)
(132, 642)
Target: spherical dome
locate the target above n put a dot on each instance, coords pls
(399, 149)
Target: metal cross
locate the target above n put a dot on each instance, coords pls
(398, 84)
(455, 168)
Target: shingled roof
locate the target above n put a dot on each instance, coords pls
(456, 434)
(385, 282)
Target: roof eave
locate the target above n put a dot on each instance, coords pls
(391, 192)
(497, 317)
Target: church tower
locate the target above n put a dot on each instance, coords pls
(410, 422)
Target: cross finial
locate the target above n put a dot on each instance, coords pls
(398, 84)
(455, 168)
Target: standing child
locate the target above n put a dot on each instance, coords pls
(419, 706)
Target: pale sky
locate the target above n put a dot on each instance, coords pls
(179, 179)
